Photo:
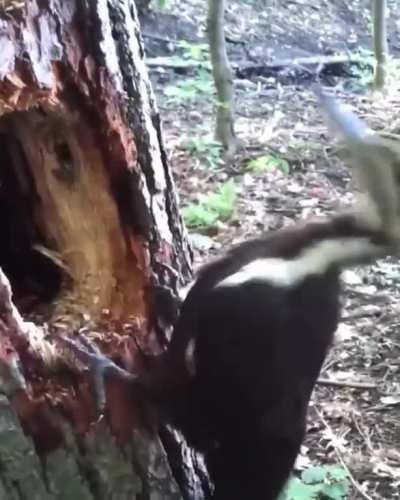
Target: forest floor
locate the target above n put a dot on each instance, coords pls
(298, 174)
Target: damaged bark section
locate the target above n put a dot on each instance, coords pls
(91, 234)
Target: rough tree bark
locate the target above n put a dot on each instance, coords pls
(223, 77)
(91, 236)
(380, 42)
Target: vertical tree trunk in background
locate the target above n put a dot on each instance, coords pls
(143, 5)
(222, 76)
(91, 236)
(380, 42)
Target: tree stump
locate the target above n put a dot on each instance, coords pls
(91, 238)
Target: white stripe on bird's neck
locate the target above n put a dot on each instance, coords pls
(314, 260)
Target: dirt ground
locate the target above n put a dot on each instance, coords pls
(358, 426)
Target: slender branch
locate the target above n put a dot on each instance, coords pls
(222, 75)
(380, 42)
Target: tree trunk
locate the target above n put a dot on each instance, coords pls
(143, 6)
(223, 77)
(91, 237)
(380, 42)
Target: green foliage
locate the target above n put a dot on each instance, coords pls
(268, 162)
(183, 92)
(363, 71)
(223, 201)
(161, 4)
(199, 216)
(204, 148)
(314, 475)
(212, 207)
(198, 52)
(328, 482)
(187, 90)
(298, 490)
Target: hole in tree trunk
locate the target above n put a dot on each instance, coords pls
(62, 239)
(35, 279)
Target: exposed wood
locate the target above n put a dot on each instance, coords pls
(98, 230)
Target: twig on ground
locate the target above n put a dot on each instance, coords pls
(171, 63)
(354, 385)
(361, 315)
(235, 41)
(384, 407)
(302, 4)
(159, 38)
(282, 211)
(331, 362)
(353, 481)
(363, 433)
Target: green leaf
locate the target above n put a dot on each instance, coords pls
(314, 475)
(195, 146)
(181, 93)
(205, 86)
(188, 89)
(195, 51)
(223, 201)
(198, 216)
(297, 490)
(211, 207)
(336, 472)
(204, 148)
(336, 491)
(325, 481)
(268, 162)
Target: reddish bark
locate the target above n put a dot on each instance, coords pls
(87, 169)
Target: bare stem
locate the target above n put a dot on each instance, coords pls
(380, 42)
(222, 75)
